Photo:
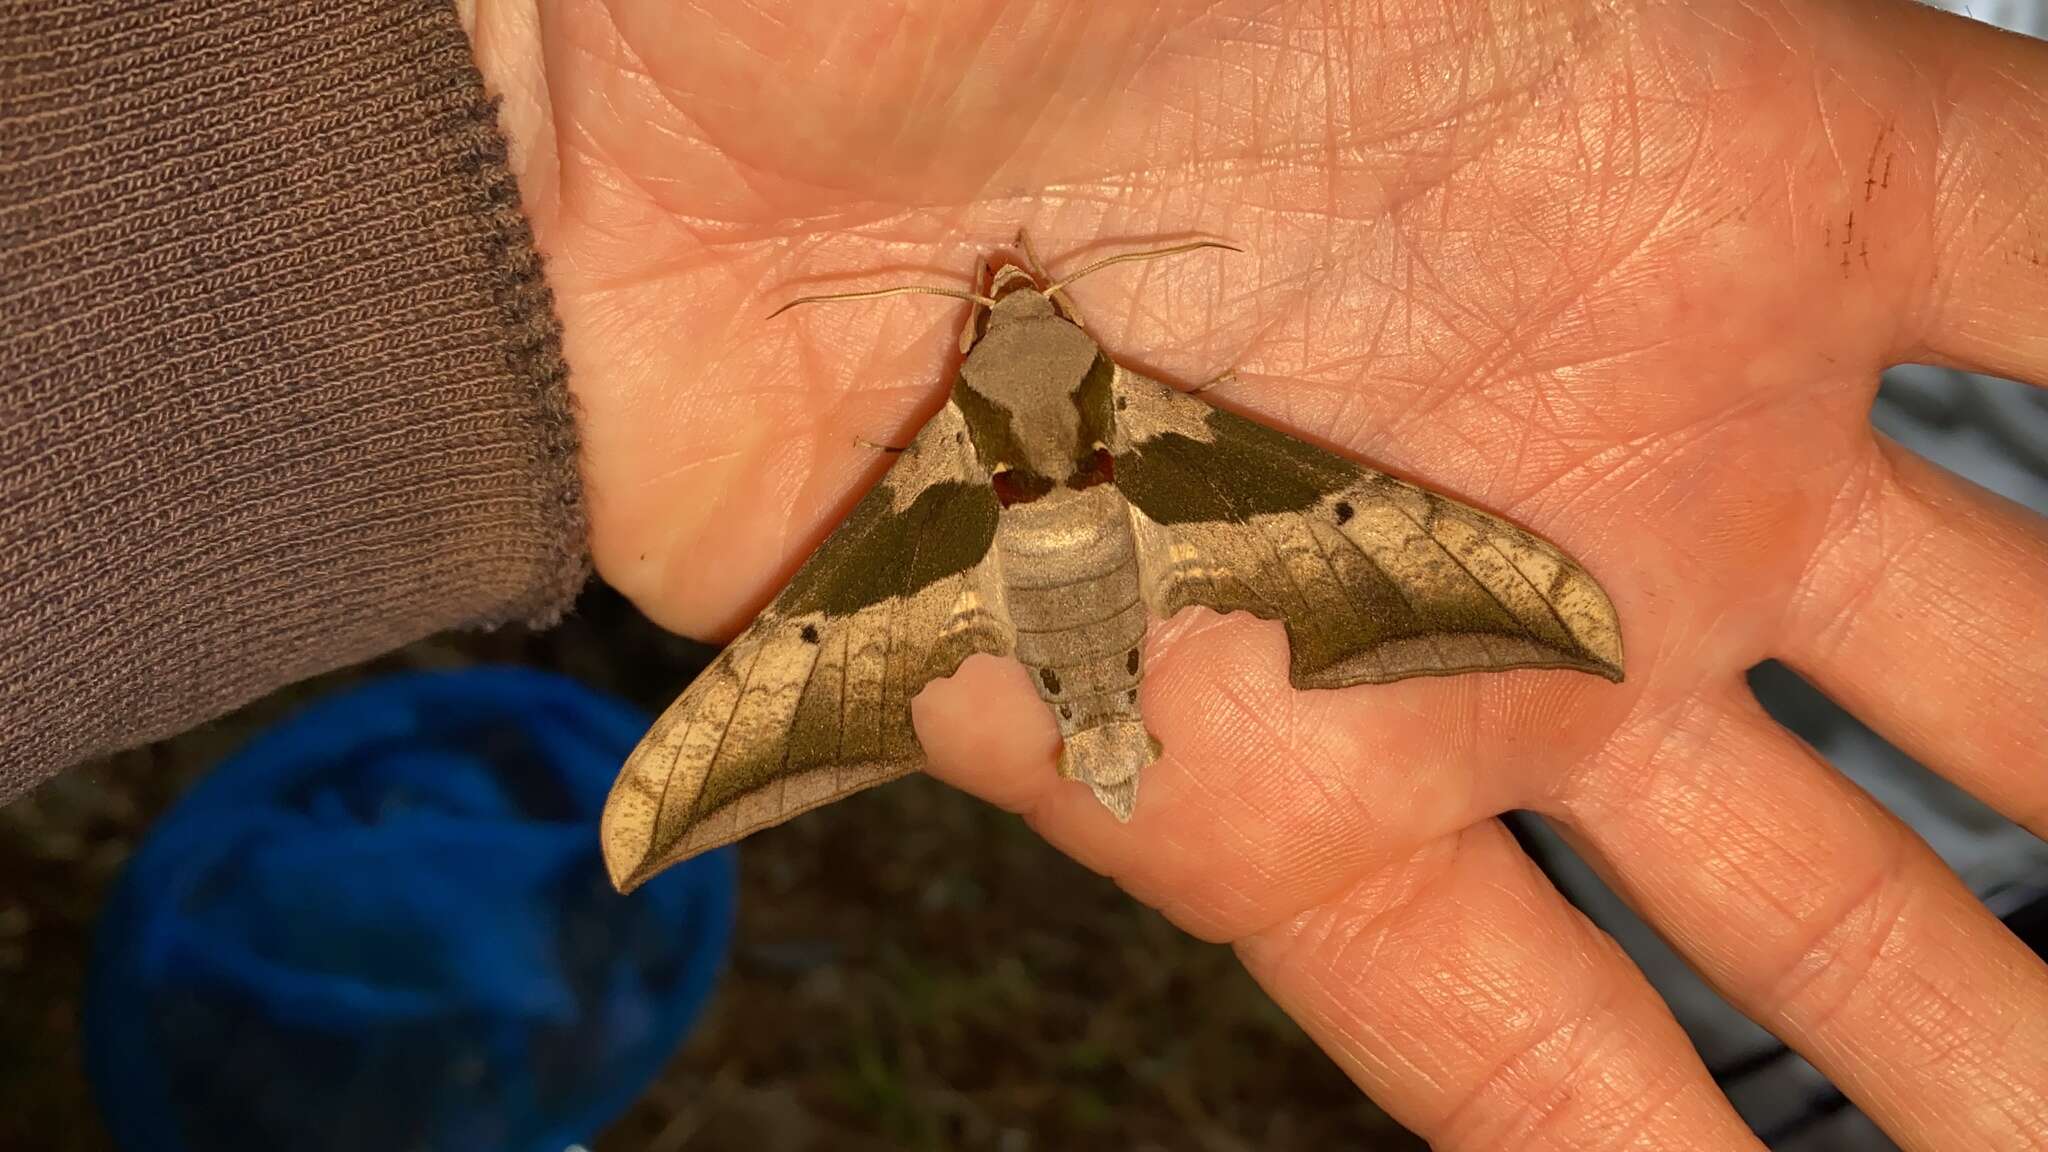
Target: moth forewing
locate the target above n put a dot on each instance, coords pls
(812, 701)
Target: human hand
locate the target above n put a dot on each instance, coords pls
(1624, 273)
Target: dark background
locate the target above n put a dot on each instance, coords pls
(916, 971)
(913, 969)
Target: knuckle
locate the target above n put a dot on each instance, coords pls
(1561, 1083)
(1846, 946)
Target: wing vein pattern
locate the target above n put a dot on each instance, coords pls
(812, 701)
(1420, 584)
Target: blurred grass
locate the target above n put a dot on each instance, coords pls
(914, 971)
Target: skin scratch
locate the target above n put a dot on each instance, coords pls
(1870, 179)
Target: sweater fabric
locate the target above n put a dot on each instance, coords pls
(281, 385)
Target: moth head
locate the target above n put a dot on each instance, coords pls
(1012, 288)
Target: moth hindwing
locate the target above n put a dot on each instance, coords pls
(1054, 505)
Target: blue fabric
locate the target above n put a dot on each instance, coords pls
(385, 925)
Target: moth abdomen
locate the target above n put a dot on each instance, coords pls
(1109, 757)
(1071, 582)
(1106, 677)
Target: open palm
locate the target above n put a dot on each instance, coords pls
(1624, 272)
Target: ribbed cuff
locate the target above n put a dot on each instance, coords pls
(281, 385)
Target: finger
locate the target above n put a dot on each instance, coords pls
(1455, 985)
(1825, 920)
(1266, 800)
(1987, 285)
(1464, 994)
(1263, 802)
(1925, 614)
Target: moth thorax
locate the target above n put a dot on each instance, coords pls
(1050, 437)
(1024, 374)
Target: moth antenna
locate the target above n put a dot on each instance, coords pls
(878, 293)
(891, 449)
(1150, 254)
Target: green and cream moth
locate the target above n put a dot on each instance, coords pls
(1055, 506)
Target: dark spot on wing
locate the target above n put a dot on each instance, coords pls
(1131, 661)
(1050, 679)
(1066, 712)
(810, 633)
(1343, 512)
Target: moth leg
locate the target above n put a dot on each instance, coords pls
(1032, 263)
(1036, 267)
(971, 331)
(1228, 376)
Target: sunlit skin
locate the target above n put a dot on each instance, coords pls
(1624, 272)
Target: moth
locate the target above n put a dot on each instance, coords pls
(1053, 507)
